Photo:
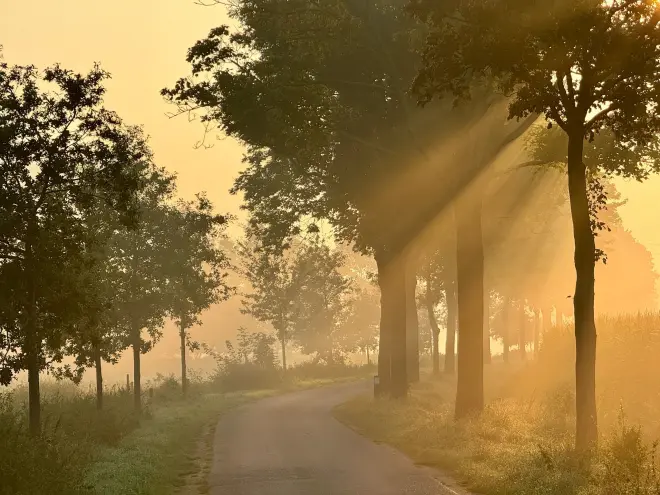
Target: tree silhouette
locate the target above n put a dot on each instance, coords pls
(587, 66)
(59, 151)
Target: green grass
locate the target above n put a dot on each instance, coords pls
(171, 450)
(84, 451)
(156, 458)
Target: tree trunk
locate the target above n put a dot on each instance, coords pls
(583, 301)
(99, 376)
(470, 285)
(450, 343)
(32, 343)
(384, 353)
(368, 358)
(137, 389)
(537, 333)
(435, 329)
(283, 345)
(506, 343)
(487, 354)
(412, 323)
(547, 320)
(522, 332)
(392, 281)
(184, 370)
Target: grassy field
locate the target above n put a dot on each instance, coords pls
(522, 443)
(84, 451)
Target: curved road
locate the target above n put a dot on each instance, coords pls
(291, 445)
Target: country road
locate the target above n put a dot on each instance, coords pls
(292, 445)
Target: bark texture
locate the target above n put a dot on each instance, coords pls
(583, 301)
(470, 285)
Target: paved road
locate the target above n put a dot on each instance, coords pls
(291, 445)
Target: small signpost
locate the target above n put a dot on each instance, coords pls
(376, 386)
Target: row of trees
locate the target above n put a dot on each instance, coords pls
(319, 94)
(95, 252)
(306, 295)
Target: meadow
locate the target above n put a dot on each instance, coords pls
(523, 443)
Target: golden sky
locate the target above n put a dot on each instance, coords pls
(143, 44)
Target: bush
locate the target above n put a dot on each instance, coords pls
(53, 463)
(235, 376)
(314, 371)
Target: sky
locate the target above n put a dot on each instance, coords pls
(143, 44)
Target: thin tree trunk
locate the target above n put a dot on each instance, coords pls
(522, 332)
(368, 358)
(33, 343)
(435, 329)
(470, 285)
(487, 354)
(283, 345)
(99, 376)
(506, 343)
(547, 320)
(450, 342)
(397, 276)
(384, 340)
(585, 324)
(184, 370)
(412, 323)
(537, 333)
(137, 389)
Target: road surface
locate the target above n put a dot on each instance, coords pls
(291, 445)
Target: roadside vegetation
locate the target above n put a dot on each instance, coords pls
(523, 441)
(115, 451)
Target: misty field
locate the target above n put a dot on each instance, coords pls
(523, 441)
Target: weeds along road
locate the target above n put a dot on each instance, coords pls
(292, 445)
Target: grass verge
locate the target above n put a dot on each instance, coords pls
(172, 451)
(516, 447)
(158, 457)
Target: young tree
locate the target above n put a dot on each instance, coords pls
(59, 150)
(323, 301)
(273, 290)
(587, 65)
(196, 267)
(141, 257)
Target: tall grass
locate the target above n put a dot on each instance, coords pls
(523, 442)
(113, 451)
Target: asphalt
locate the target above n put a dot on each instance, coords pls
(292, 445)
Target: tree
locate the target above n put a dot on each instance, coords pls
(273, 290)
(322, 305)
(59, 149)
(141, 257)
(587, 65)
(196, 267)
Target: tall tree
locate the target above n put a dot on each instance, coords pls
(353, 140)
(141, 257)
(273, 289)
(196, 268)
(59, 149)
(433, 294)
(587, 65)
(322, 305)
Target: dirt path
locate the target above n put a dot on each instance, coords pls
(291, 445)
